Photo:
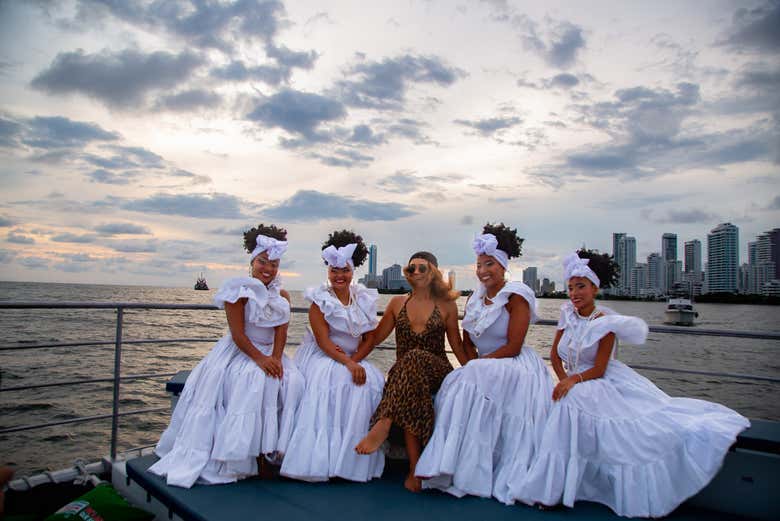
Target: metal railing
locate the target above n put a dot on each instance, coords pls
(118, 342)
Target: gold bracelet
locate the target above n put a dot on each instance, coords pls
(580, 375)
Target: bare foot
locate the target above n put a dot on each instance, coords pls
(375, 437)
(413, 483)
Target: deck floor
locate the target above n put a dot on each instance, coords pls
(383, 499)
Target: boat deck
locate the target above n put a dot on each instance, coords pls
(382, 499)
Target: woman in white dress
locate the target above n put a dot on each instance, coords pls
(240, 400)
(490, 413)
(612, 436)
(342, 389)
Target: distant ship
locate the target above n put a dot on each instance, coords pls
(201, 283)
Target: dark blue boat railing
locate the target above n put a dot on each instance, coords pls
(118, 342)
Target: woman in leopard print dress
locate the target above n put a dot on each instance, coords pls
(420, 320)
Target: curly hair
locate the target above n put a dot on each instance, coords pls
(603, 265)
(250, 236)
(507, 237)
(341, 238)
(440, 289)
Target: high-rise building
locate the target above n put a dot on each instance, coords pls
(722, 258)
(763, 261)
(372, 260)
(639, 280)
(548, 286)
(393, 278)
(656, 274)
(669, 253)
(451, 278)
(531, 279)
(669, 246)
(624, 255)
(693, 256)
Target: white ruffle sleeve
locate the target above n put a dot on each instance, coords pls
(631, 330)
(266, 306)
(478, 317)
(361, 317)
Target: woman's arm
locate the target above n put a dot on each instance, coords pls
(555, 358)
(468, 346)
(597, 371)
(365, 346)
(387, 324)
(235, 319)
(519, 320)
(321, 331)
(453, 331)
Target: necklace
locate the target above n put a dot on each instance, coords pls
(353, 329)
(568, 366)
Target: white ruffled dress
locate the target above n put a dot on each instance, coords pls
(619, 440)
(490, 413)
(230, 411)
(334, 414)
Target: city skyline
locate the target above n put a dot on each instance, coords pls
(137, 142)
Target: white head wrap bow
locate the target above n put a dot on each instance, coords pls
(274, 247)
(574, 266)
(487, 244)
(339, 257)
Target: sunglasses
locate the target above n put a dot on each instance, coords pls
(422, 268)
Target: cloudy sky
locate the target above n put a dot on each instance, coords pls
(139, 139)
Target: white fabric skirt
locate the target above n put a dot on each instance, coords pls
(229, 413)
(490, 416)
(333, 417)
(621, 441)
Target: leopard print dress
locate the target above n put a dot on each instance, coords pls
(420, 367)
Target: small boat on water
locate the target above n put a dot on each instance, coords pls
(680, 312)
(201, 283)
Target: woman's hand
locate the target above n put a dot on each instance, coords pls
(358, 373)
(563, 387)
(270, 366)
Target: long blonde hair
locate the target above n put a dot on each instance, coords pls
(440, 289)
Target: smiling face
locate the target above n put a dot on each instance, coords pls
(489, 272)
(340, 277)
(418, 273)
(263, 269)
(582, 292)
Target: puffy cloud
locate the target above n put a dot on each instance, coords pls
(134, 246)
(121, 79)
(120, 228)
(6, 221)
(690, 216)
(111, 178)
(60, 132)
(72, 237)
(343, 157)
(299, 113)
(490, 126)
(755, 29)
(559, 46)
(383, 84)
(18, 238)
(312, 206)
(212, 206)
(208, 25)
(189, 100)
(35, 263)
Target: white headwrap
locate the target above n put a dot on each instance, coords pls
(574, 266)
(274, 247)
(339, 257)
(487, 244)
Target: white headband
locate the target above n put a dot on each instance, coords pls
(574, 266)
(274, 247)
(339, 257)
(487, 244)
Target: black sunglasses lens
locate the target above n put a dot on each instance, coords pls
(411, 268)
